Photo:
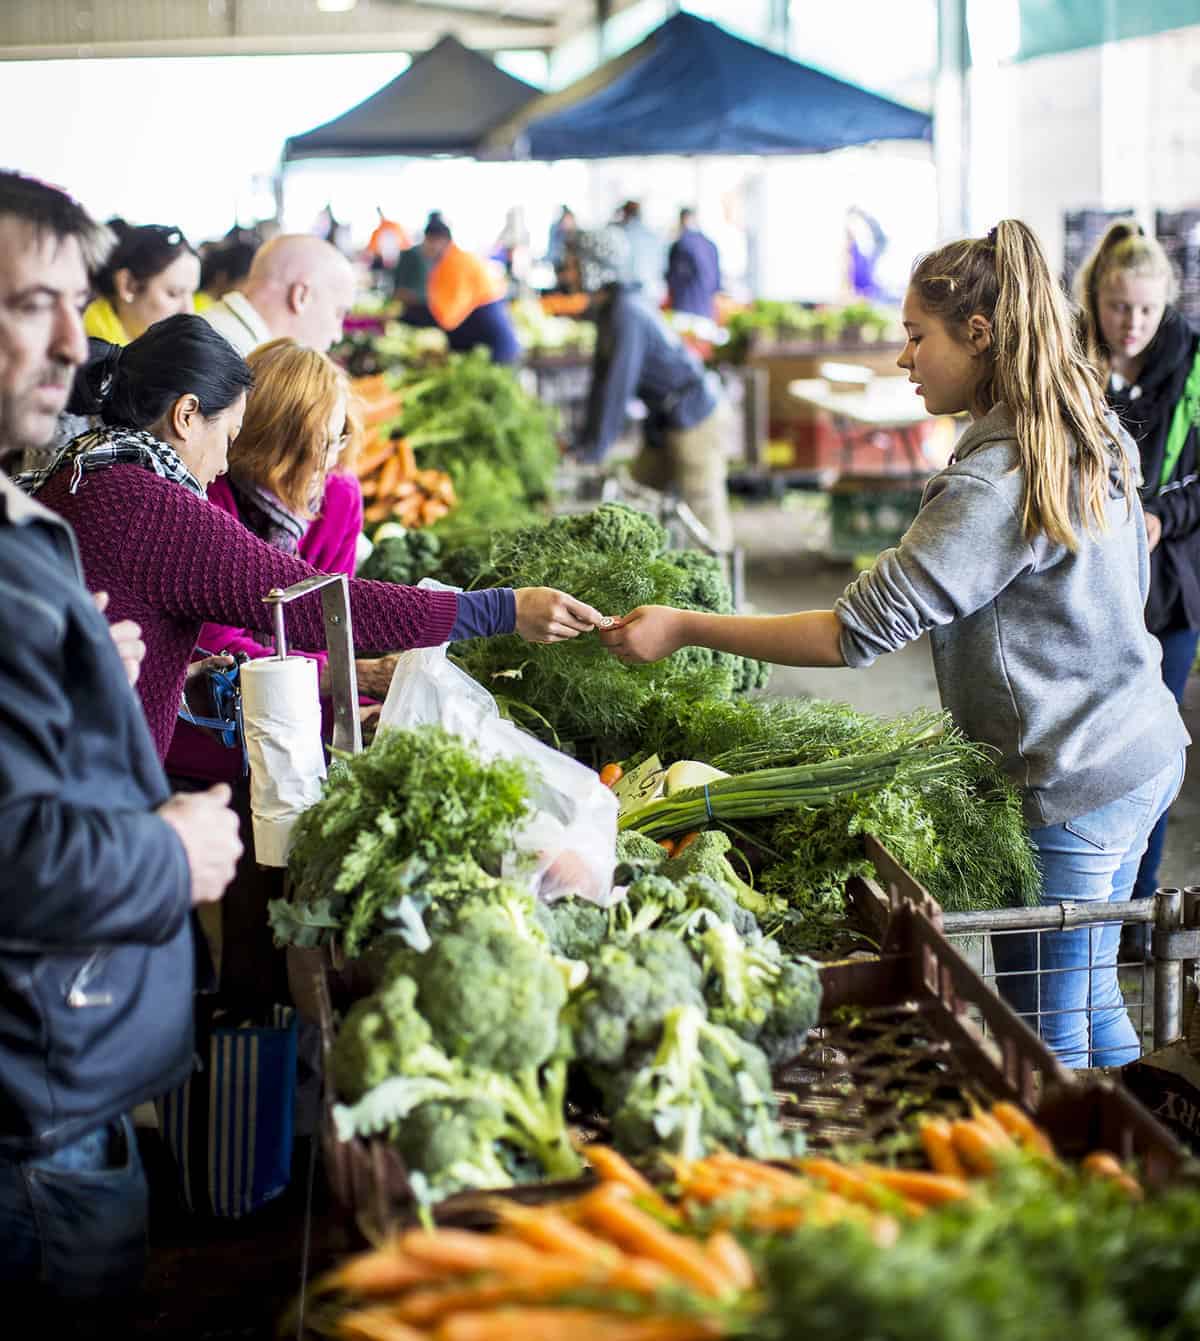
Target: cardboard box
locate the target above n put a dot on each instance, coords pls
(1168, 1084)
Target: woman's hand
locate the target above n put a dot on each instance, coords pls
(194, 685)
(374, 675)
(548, 616)
(648, 633)
(1153, 531)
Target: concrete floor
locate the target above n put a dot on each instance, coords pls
(785, 571)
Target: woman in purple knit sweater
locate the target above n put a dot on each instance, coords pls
(171, 405)
(285, 483)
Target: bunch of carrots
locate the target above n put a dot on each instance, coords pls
(610, 1265)
(627, 1262)
(393, 488)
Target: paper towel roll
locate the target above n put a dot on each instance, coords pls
(281, 708)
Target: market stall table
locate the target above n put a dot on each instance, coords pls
(886, 412)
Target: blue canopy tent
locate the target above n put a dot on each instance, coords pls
(690, 87)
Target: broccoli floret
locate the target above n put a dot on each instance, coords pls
(575, 928)
(384, 1036)
(455, 1145)
(456, 890)
(491, 994)
(403, 558)
(637, 855)
(754, 991)
(704, 1088)
(705, 856)
(631, 987)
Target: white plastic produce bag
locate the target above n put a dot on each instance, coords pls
(572, 831)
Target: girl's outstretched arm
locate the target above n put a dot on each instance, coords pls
(651, 632)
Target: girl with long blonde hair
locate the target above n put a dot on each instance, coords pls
(1027, 566)
(1149, 357)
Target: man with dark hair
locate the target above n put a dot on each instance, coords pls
(687, 418)
(101, 866)
(693, 269)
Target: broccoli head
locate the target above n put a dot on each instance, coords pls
(702, 1089)
(384, 1036)
(616, 528)
(706, 856)
(637, 855)
(574, 927)
(632, 985)
(757, 993)
(454, 1144)
(491, 992)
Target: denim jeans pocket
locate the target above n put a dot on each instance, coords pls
(92, 1221)
(1115, 826)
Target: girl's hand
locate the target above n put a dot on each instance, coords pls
(1153, 531)
(648, 633)
(548, 616)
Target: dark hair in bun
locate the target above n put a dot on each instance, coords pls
(145, 252)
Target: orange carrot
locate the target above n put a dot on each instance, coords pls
(686, 841)
(610, 1210)
(551, 1232)
(975, 1145)
(611, 774)
(667, 845)
(841, 1179)
(422, 1307)
(731, 1259)
(613, 1167)
(939, 1148)
(1022, 1128)
(375, 1324)
(991, 1123)
(1104, 1164)
(383, 1271)
(930, 1189)
(461, 1251)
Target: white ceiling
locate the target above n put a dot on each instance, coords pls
(49, 29)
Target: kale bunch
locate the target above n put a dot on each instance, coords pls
(574, 693)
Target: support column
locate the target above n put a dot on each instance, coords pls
(952, 120)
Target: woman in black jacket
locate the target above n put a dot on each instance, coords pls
(1151, 359)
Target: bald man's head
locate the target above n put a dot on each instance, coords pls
(302, 287)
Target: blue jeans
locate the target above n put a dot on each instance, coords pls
(1178, 656)
(73, 1223)
(1066, 981)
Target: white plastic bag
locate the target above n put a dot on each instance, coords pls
(572, 831)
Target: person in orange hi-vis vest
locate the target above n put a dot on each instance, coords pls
(467, 298)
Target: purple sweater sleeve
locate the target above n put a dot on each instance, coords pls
(484, 613)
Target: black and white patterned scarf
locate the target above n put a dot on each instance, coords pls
(103, 447)
(261, 512)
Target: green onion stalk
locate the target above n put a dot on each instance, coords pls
(774, 791)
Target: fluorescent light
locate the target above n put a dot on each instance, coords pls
(336, 6)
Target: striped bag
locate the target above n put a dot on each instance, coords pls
(229, 1127)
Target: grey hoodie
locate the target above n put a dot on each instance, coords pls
(1039, 652)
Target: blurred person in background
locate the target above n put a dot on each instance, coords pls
(224, 266)
(152, 273)
(646, 257)
(562, 232)
(103, 867)
(410, 279)
(299, 287)
(637, 355)
(467, 298)
(693, 269)
(1149, 357)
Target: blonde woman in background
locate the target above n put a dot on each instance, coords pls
(1150, 359)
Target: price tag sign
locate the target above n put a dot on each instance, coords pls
(640, 785)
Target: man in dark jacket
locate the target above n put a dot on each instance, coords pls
(99, 867)
(638, 355)
(693, 269)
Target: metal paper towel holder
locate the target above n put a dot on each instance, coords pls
(339, 641)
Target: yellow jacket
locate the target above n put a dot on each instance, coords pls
(102, 323)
